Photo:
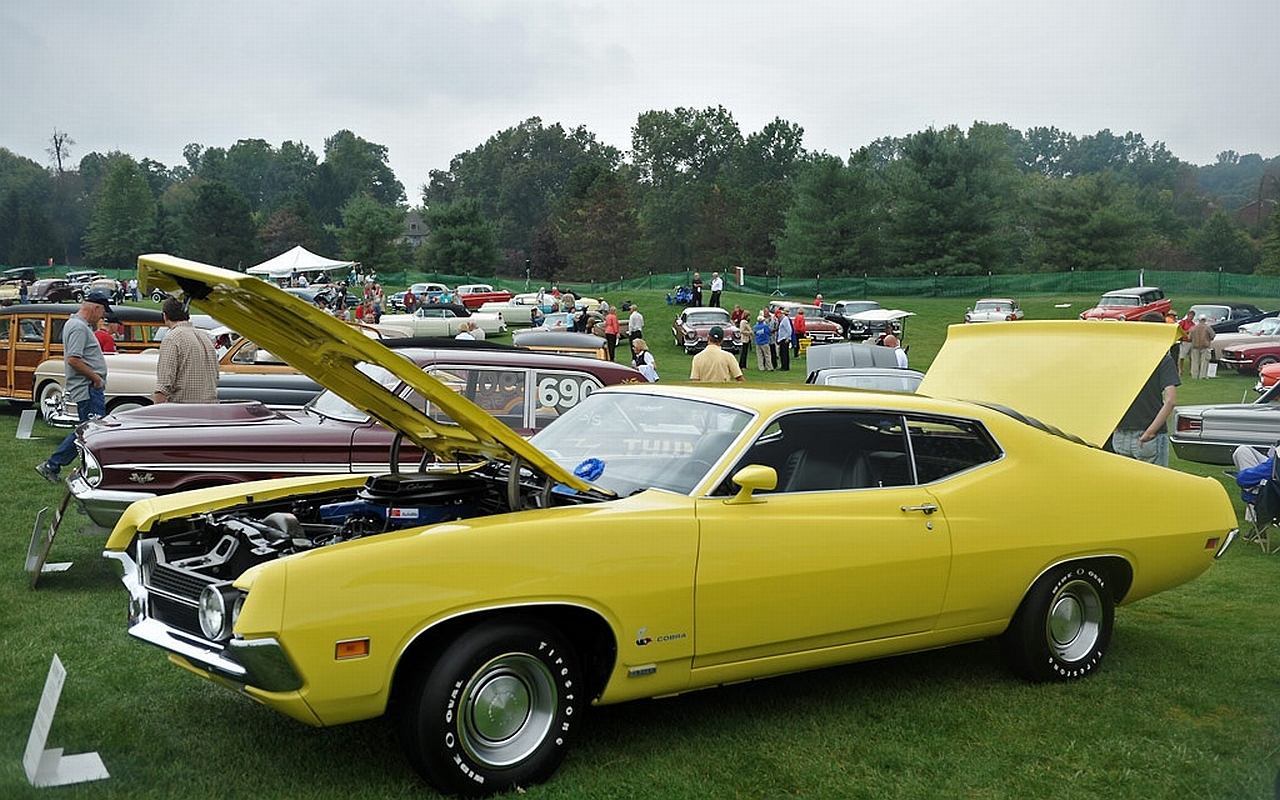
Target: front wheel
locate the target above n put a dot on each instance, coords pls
(1063, 626)
(495, 710)
(49, 394)
(126, 404)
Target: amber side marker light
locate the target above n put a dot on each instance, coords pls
(351, 648)
(1212, 543)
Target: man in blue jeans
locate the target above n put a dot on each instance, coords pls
(86, 376)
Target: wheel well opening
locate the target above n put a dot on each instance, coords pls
(591, 637)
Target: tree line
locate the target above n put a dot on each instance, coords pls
(694, 192)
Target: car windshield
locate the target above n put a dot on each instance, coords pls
(992, 306)
(1213, 313)
(627, 442)
(329, 404)
(713, 317)
(858, 308)
(1120, 300)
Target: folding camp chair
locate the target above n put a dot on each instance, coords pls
(1260, 490)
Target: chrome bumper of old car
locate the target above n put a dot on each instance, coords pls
(103, 506)
(260, 663)
(57, 414)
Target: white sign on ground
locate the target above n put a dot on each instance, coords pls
(51, 767)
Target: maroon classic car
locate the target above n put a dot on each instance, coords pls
(819, 329)
(694, 324)
(171, 447)
(1247, 357)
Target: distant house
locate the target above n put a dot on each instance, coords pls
(415, 229)
(1255, 213)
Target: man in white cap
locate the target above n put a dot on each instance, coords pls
(1201, 337)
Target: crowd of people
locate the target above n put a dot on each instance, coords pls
(187, 370)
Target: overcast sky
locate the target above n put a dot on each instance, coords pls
(430, 79)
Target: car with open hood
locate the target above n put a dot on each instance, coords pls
(655, 539)
(173, 447)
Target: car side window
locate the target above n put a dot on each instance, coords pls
(246, 354)
(832, 450)
(31, 330)
(501, 392)
(945, 447)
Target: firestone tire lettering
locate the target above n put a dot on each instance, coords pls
(1063, 627)
(494, 711)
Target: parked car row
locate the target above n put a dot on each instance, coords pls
(168, 448)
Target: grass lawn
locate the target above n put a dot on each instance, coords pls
(1187, 705)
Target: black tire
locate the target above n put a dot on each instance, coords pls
(495, 710)
(127, 404)
(1063, 627)
(1265, 361)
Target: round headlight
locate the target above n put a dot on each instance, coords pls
(219, 606)
(91, 469)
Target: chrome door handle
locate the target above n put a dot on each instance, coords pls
(927, 508)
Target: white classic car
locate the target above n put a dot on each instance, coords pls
(994, 309)
(443, 319)
(517, 312)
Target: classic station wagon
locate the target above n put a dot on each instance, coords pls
(32, 333)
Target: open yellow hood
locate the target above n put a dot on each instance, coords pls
(329, 351)
(1078, 376)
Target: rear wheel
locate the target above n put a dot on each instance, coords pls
(1063, 626)
(494, 711)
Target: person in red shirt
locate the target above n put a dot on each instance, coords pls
(611, 331)
(106, 337)
(799, 330)
(1184, 341)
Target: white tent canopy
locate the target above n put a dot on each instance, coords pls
(299, 260)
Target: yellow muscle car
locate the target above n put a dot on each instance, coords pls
(657, 539)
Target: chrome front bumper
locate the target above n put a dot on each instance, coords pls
(261, 663)
(102, 506)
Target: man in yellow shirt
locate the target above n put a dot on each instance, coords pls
(713, 364)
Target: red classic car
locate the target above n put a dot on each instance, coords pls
(1139, 303)
(474, 295)
(1250, 357)
(819, 328)
(172, 447)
